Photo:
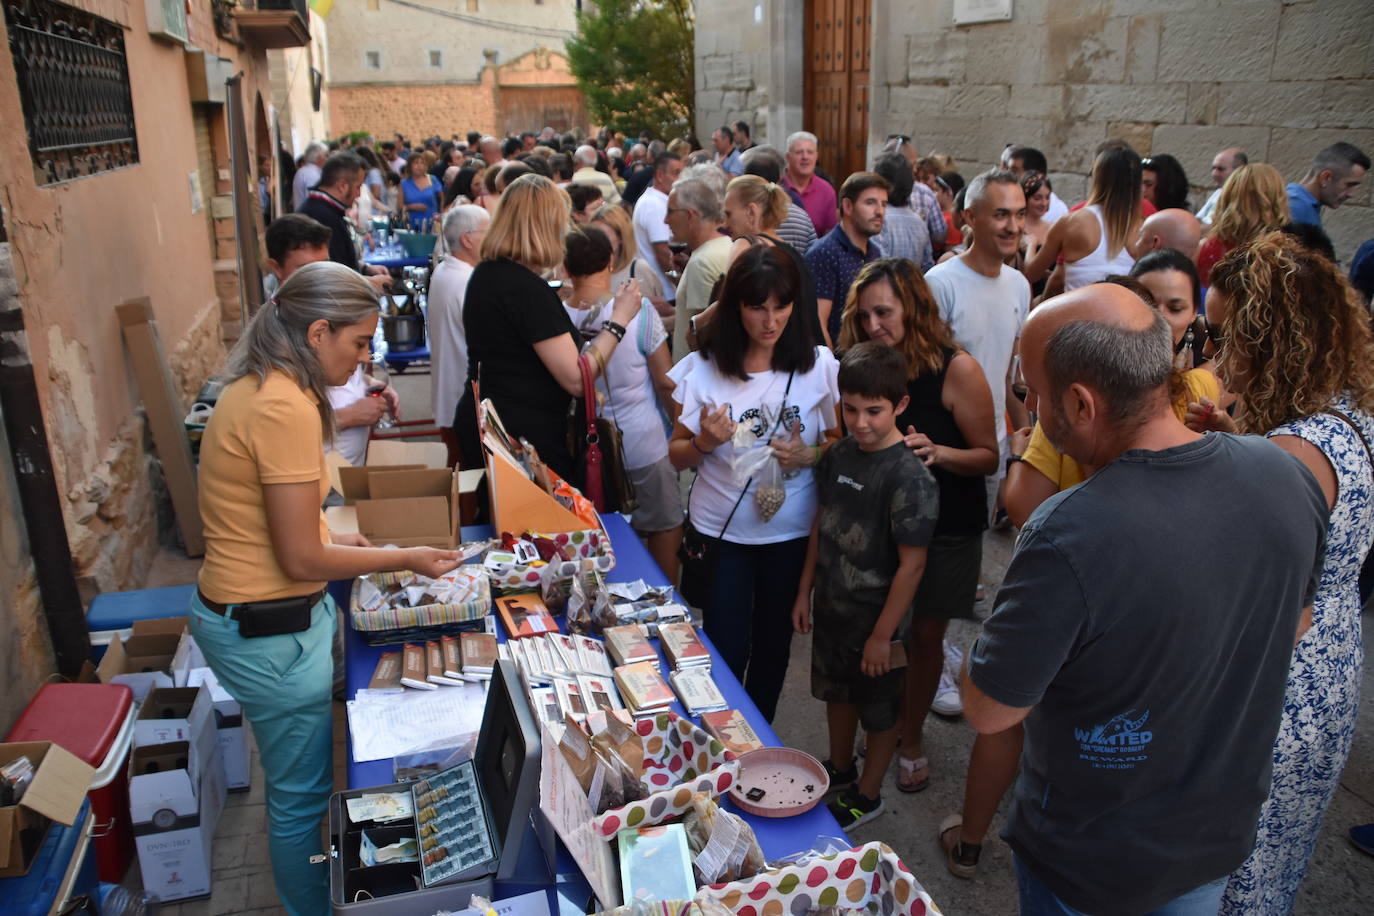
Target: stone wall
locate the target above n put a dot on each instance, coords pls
(478, 33)
(1183, 77)
(748, 67)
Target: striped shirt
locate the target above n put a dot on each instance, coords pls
(905, 235)
(796, 229)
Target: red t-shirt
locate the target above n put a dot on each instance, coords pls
(1212, 251)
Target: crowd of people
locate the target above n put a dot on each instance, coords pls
(860, 375)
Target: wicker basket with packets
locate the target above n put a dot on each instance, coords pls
(390, 607)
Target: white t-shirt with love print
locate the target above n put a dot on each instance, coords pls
(813, 397)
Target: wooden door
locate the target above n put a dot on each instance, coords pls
(838, 56)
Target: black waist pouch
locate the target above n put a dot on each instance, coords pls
(275, 618)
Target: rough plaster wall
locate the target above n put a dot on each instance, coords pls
(81, 248)
(404, 37)
(1186, 77)
(732, 54)
(24, 643)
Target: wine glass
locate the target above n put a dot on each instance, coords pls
(378, 375)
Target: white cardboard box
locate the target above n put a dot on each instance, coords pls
(176, 792)
(189, 669)
(231, 726)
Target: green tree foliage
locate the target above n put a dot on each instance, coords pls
(633, 62)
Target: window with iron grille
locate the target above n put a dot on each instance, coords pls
(74, 84)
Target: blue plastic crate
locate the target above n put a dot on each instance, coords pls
(113, 611)
(36, 893)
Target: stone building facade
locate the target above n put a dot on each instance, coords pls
(449, 66)
(1186, 77)
(75, 244)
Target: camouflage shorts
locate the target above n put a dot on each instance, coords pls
(837, 648)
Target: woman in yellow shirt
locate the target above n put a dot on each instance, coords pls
(261, 614)
(1168, 281)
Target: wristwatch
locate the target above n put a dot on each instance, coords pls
(1012, 459)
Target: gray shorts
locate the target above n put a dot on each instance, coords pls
(660, 498)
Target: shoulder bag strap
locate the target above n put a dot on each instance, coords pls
(776, 423)
(1359, 432)
(595, 488)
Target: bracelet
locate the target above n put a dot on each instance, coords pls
(693, 440)
(617, 330)
(816, 458)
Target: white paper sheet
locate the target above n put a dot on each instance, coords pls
(400, 723)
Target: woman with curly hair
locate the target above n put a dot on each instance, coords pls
(1253, 201)
(1296, 348)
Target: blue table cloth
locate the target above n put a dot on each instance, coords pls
(777, 836)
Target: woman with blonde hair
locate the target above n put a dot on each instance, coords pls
(948, 424)
(1252, 202)
(522, 347)
(261, 614)
(754, 209)
(1093, 240)
(1297, 350)
(625, 261)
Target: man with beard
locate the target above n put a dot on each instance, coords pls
(984, 300)
(836, 257)
(1151, 697)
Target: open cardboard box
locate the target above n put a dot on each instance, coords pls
(190, 669)
(143, 660)
(405, 495)
(176, 793)
(518, 503)
(60, 783)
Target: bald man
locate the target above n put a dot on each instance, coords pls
(1223, 164)
(1151, 690)
(1172, 228)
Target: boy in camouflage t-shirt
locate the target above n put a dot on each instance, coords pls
(878, 506)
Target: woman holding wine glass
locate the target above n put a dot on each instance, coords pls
(261, 614)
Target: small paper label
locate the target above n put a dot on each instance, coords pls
(715, 857)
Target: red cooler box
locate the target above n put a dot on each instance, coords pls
(95, 723)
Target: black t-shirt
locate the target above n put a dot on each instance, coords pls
(637, 184)
(963, 497)
(328, 213)
(870, 503)
(506, 311)
(1148, 615)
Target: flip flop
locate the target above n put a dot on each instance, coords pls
(907, 770)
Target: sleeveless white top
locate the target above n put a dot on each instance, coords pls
(1095, 267)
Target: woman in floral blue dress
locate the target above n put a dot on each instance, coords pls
(1296, 347)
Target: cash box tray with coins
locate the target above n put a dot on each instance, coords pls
(464, 828)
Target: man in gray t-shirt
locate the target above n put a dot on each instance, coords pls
(1145, 626)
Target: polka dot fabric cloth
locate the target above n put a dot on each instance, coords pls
(679, 759)
(868, 877)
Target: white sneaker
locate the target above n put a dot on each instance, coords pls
(947, 701)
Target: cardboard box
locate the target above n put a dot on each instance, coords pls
(176, 791)
(190, 669)
(232, 729)
(178, 714)
(405, 495)
(174, 818)
(60, 783)
(144, 660)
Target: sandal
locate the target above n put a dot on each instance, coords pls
(961, 858)
(913, 775)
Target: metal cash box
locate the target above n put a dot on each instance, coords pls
(480, 822)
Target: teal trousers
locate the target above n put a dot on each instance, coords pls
(284, 684)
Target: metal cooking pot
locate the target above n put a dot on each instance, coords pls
(402, 332)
